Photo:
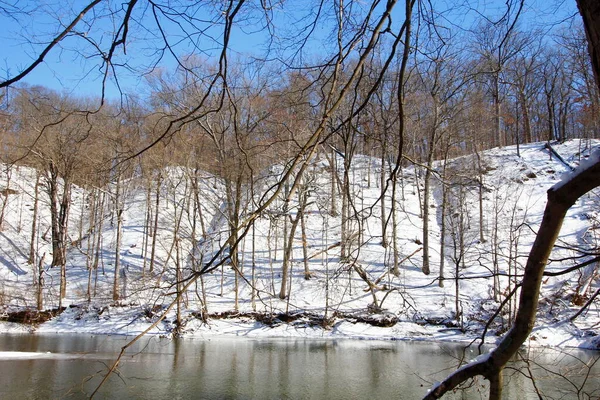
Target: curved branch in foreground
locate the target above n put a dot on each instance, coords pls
(560, 198)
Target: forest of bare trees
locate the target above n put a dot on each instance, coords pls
(223, 143)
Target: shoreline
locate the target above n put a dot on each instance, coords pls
(127, 322)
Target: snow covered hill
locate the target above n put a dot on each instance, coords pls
(484, 213)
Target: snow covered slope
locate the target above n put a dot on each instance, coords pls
(494, 204)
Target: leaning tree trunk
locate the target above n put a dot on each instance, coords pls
(287, 258)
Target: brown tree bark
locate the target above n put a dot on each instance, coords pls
(590, 12)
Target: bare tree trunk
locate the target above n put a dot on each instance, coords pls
(178, 278)
(590, 12)
(396, 255)
(526, 117)
(234, 200)
(6, 194)
(344, 249)
(40, 284)
(52, 182)
(382, 181)
(32, 243)
(425, 268)
(443, 223)
(253, 276)
(147, 232)
(426, 188)
(59, 211)
(496, 251)
(550, 109)
(155, 227)
(99, 228)
(91, 241)
(64, 219)
(303, 198)
(480, 187)
(197, 202)
(119, 209)
(272, 253)
(334, 179)
(496, 96)
(287, 257)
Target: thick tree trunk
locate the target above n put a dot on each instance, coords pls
(288, 256)
(526, 118)
(52, 181)
(59, 213)
(590, 12)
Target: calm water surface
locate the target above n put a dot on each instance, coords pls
(263, 369)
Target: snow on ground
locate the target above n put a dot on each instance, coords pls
(512, 195)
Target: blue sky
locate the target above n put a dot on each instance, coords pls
(74, 69)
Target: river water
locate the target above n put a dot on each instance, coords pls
(71, 366)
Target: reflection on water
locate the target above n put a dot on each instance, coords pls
(264, 369)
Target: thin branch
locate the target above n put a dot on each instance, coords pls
(50, 46)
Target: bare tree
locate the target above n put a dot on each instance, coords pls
(60, 132)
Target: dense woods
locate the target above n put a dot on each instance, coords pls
(245, 173)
